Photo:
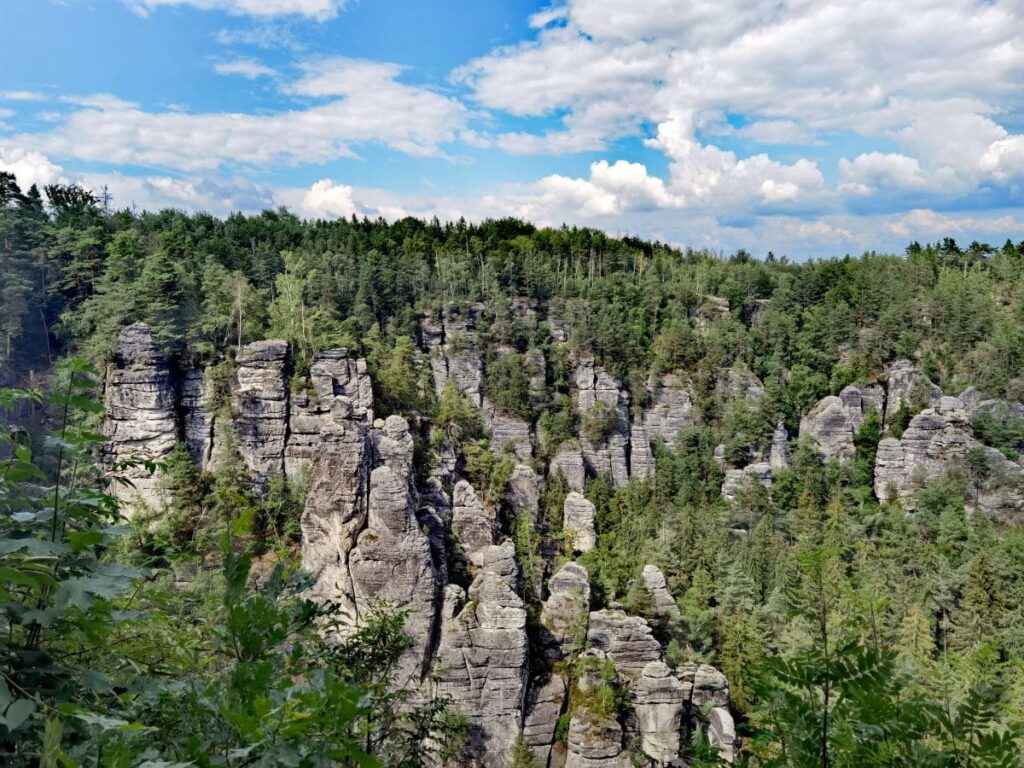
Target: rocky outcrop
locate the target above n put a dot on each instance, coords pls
(778, 454)
(197, 417)
(657, 698)
(579, 515)
(335, 510)
(722, 732)
(626, 640)
(523, 492)
(738, 383)
(832, 423)
(565, 612)
(592, 385)
(261, 404)
(392, 562)
(705, 688)
(508, 432)
(654, 582)
(937, 442)
(737, 479)
(670, 410)
(545, 703)
(595, 737)
(908, 386)
(451, 342)
(481, 660)
(336, 382)
(569, 461)
(474, 525)
(140, 422)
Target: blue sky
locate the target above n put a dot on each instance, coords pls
(806, 127)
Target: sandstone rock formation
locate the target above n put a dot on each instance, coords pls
(832, 423)
(654, 581)
(670, 410)
(906, 384)
(626, 640)
(451, 342)
(591, 385)
(197, 417)
(507, 432)
(569, 461)
(140, 422)
(545, 702)
(523, 493)
(657, 698)
(778, 456)
(595, 737)
(565, 612)
(578, 522)
(736, 479)
(938, 442)
(261, 402)
(474, 525)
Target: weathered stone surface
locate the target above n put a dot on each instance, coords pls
(738, 383)
(578, 522)
(627, 640)
(589, 386)
(595, 739)
(722, 733)
(392, 564)
(736, 479)
(565, 612)
(654, 581)
(140, 421)
(197, 417)
(451, 342)
(523, 494)
(906, 384)
(475, 526)
(705, 685)
(261, 402)
(336, 383)
(670, 411)
(778, 456)
(936, 443)
(545, 702)
(507, 432)
(833, 422)
(569, 460)
(657, 698)
(481, 661)
(335, 510)
(393, 445)
(536, 366)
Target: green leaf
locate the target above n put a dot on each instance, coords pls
(20, 711)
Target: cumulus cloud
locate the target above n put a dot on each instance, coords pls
(1004, 158)
(871, 170)
(30, 167)
(319, 10)
(366, 105)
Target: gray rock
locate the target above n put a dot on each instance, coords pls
(779, 452)
(335, 510)
(336, 383)
(705, 685)
(261, 402)
(481, 660)
(936, 443)
(578, 522)
(589, 386)
(197, 417)
(140, 421)
(654, 581)
(594, 738)
(832, 423)
(565, 613)
(523, 493)
(670, 411)
(722, 733)
(536, 365)
(392, 565)
(657, 698)
(475, 526)
(906, 383)
(736, 479)
(545, 702)
(627, 640)
(738, 383)
(507, 431)
(569, 460)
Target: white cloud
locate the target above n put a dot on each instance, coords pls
(325, 199)
(320, 10)
(871, 170)
(22, 96)
(776, 132)
(925, 223)
(30, 167)
(247, 68)
(1004, 158)
(368, 106)
(342, 76)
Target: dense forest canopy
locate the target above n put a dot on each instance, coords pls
(852, 632)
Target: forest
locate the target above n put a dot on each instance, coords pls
(857, 624)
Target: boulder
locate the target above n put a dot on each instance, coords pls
(722, 733)
(140, 419)
(579, 515)
(736, 479)
(670, 410)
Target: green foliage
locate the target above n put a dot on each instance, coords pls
(599, 423)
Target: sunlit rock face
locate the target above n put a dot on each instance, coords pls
(140, 420)
(670, 410)
(579, 516)
(590, 386)
(261, 402)
(833, 422)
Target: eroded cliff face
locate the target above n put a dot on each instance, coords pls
(376, 533)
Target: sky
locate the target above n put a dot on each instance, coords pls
(811, 128)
